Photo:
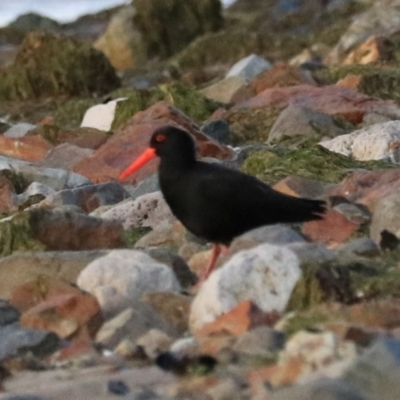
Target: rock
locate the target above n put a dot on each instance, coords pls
(121, 42)
(363, 246)
(333, 230)
(281, 75)
(40, 69)
(123, 276)
(16, 340)
(311, 252)
(149, 210)
(327, 389)
(7, 193)
(265, 275)
(34, 193)
(225, 90)
(19, 130)
(88, 198)
(65, 156)
(218, 129)
(8, 314)
(314, 353)
(374, 49)
(154, 342)
(301, 187)
(376, 142)
(20, 268)
(131, 323)
(181, 270)
(101, 116)
(146, 186)
(376, 372)
(300, 121)
(249, 67)
(35, 22)
(172, 307)
(29, 148)
(71, 316)
(57, 230)
(260, 341)
(385, 217)
(331, 100)
(241, 319)
(133, 137)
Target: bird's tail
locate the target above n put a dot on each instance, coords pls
(302, 210)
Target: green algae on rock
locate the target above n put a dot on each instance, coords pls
(312, 162)
(50, 65)
(168, 26)
(187, 99)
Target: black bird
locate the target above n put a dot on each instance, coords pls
(214, 202)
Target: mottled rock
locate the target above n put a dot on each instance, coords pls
(265, 275)
(331, 100)
(133, 137)
(375, 142)
(34, 193)
(124, 275)
(28, 148)
(300, 121)
(249, 67)
(131, 323)
(149, 210)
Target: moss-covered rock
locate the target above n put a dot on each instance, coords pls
(308, 161)
(167, 26)
(50, 65)
(132, 235)
(187, 99)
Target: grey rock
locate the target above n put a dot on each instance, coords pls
(19, 130)
(224, 90)
(321, 390)
(131, 323)
(218, 129)
(35, 190)
(154, 342)
(302, 121)
(146, 186)
(363, 246)
(8, 314)
(354, 212)
(16, 340)
(376, 373)
(249, 67)
(309, 252)
(65, 156)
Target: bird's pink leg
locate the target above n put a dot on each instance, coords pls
(216, 250)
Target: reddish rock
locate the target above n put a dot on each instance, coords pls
(7, 193)
(350, 81)
(375, 48)
(333, 230)
(28, 148)
(132, 138)
(281, 75)
(244, 317)
(300, 187)
(70, 316)
(78, 349)
(368, 187)
(332, 100)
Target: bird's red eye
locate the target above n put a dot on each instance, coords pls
(160, 138)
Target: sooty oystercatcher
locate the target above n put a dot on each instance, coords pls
(212, 201)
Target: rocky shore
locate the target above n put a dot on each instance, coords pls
(98, 295)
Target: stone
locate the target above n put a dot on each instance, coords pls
(385, 217)
(281, 75)
(311, 252)
(154, 342)
(131, 323)
(133, 137)
(7, 194)
(101, 116)
(225, 90)
(363, 246)
(19, 130)
(34, 193)
(28, 148)
(123, 276)
(8, 314)
(16, 340)
(65, 156)
(376, 372)
(249, 67)
(172, 307)
(88, 197)
(375, 142)
(146, 186)
(331, 100)
(149, 210)
(70, 316)
(20, 268)
(266, 275)
(218, 129)
(333, 230)
(301, 121)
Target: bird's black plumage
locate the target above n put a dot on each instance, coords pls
(217, 203)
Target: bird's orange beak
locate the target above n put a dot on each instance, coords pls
(143, 159)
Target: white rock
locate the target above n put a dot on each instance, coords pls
(265, 275)
(19, 130)
(125, 275)
(375, 142)
(148, 210)
(247, 68)
(101, 116)
(35, 188)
